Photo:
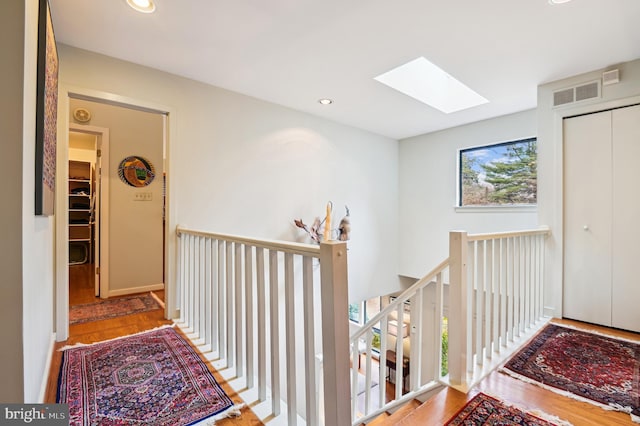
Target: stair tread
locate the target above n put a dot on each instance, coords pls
(379, 421)
(398, 415)
(436, 410)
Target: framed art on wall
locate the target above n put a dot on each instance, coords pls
(46, 113)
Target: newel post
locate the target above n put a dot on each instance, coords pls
(335, 333)
(459, 318)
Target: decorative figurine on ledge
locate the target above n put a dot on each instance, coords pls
(344, 228)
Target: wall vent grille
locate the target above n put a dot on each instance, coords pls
(587, 91)
(581, 92)
(562, 97)
(610, 77)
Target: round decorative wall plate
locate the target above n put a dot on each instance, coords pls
(136, 171)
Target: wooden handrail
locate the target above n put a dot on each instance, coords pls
(403, 297)
(543, 230)
(284, 246)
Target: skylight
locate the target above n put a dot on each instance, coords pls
(430, 84)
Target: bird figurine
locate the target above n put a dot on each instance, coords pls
(313, 231)
(344, 229)
(300, 224)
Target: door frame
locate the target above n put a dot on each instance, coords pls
(102, 143)
(65, 92)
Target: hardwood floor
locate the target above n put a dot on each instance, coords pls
(448, 402)
(81, 291)
(434, 412)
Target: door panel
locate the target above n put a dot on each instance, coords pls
(626, 211)
(587, 218)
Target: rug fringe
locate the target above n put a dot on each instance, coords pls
(534, 411)
(608, 407)
(550, 417)
(79, 345)
(157, 299)
(231, 412)
(597, 333)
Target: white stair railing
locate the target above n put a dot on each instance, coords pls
(266, 310)
(496, 299)
(418, 371)
(489, 290)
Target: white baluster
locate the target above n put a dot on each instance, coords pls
(250, 333)
(309, 341)
(274, 332)
(238, 310)
(290, 329)
(262, 323)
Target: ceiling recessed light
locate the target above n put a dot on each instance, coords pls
(559, 1)
(144, 6)
(325, 101)
(430, 84)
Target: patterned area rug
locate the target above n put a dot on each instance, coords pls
(585, 366)
(484, 410)
(153, 378)
(111, 308)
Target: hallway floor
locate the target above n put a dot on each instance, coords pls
(81, 291)
(435, 412)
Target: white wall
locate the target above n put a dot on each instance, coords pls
(135, 227)
(550, 184)
(26, 293)
(38, 237)
(428, 179)
(244, 166)
(82, 147)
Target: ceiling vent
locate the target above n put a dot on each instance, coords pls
(578, 93)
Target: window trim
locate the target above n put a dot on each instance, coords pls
(505, 208)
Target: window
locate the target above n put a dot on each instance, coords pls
(498, 175)
(354, 312)
(369, 309)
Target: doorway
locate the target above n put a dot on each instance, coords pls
(119, 280)
(84, 209)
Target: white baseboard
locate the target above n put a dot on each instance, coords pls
(133, 290)
(47, 367)
(550, 311)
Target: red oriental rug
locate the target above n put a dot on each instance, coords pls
(153, 378)
(484, 410)
(111, 308)
(585, 366)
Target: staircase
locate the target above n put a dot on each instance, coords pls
(489, 291)
(396, 417)
(272, 317)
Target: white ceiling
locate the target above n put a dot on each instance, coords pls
(294, 52)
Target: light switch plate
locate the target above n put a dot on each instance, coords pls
(143, 196)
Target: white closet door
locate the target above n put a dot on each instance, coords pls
(626, 223)
(587, 218)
